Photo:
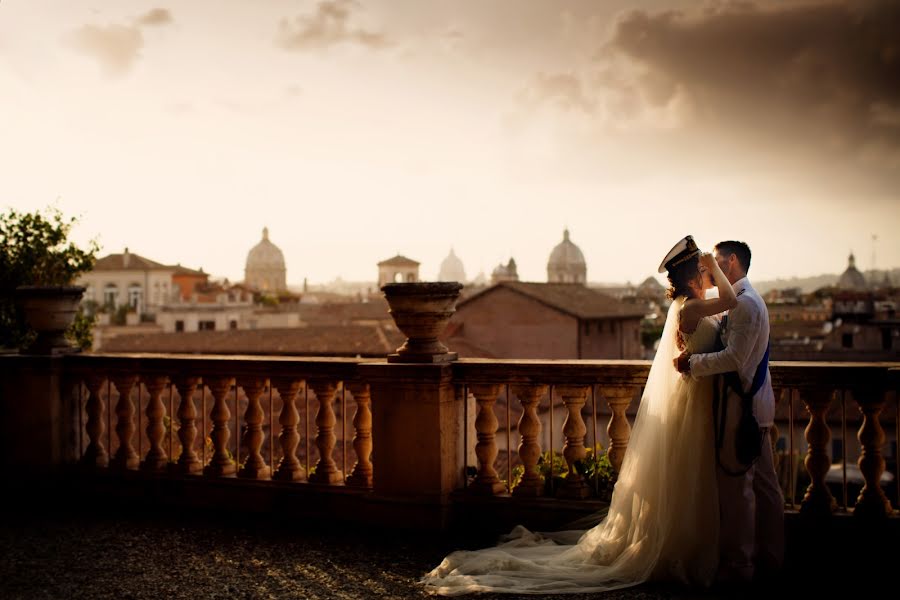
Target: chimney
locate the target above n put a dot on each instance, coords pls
(126, 258)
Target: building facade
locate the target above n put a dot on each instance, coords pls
(549, 321)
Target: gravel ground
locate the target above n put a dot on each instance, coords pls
(74, 554)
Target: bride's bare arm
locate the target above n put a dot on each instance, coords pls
(696, 308)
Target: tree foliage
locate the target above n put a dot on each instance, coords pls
(35, 250)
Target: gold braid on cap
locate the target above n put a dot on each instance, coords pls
(691, 250)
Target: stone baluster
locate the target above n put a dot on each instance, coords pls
(254, 466)
(574, 429)
(773, 429)
(871, 502)
(289, 468)
(156, 460)
(126, 457)
(221, 464)
(818, 500)
(486, 480)
(95, 455)
(362, 440)
(532, 483)
(618, 429)
(188, 463)
(326, 468)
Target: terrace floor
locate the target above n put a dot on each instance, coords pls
(58, 549)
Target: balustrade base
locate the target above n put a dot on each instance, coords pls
(529, 489)
(155, 466)
(190, 468)
(574, 490)
(228, 470)
(297, 474)
(126, 464)
(487, 488)
(249, 472)
(360, 480)
(331, 478)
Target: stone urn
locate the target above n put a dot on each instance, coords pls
(421, 311)
(49, 310)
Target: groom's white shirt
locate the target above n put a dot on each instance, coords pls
(746, 337)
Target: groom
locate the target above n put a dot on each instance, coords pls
(751, 502)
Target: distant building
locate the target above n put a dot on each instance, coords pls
(851, 278)
(566, 263)
(452, 269)
(128, 279)
(398, 269)
(265, 269)
(186, 282)
(507, 272)
(545, 320)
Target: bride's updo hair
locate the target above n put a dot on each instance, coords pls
(680, 275)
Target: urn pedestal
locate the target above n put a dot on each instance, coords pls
(421, 311)
(49, 310)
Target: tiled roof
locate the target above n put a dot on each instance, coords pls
(399, 261)
(315, 340)
(570, 298)
(136, 262)
(337, 313)
(179, 270)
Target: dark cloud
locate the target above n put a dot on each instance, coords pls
(115, 47)
(806, 88)
(328, 26)
(830, 70)
(157, 16)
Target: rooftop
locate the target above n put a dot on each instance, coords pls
(571, 298)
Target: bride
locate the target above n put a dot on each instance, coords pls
(663, 519)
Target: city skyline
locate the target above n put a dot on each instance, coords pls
(359, 130)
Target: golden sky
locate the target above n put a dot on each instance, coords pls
(354, 130)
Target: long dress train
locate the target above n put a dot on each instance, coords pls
(663, 519)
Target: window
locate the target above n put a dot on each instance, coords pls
(135, 295)
(179, 325)
(110, 295)
(411, 278)
(206, 326)
(847, 340)
(232, 324)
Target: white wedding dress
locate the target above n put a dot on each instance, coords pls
(663, 520)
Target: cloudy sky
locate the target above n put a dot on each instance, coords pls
(358, 129)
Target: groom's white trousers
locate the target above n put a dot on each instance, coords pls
(752, 516)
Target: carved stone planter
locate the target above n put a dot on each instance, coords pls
(49, 310)
(421, 312)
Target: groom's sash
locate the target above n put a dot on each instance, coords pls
(749, 437)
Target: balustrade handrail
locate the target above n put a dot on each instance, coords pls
(212, 364)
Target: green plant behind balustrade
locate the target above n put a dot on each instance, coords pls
(595, 468)
(35, 250)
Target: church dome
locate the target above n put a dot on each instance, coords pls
(265, 269)
(852, 279)
(566, 264)
(452, 269)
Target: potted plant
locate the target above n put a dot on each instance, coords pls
(38, 268)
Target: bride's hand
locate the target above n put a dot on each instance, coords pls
(707, 260)
(683, 362)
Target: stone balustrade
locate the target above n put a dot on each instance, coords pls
(397, 433)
